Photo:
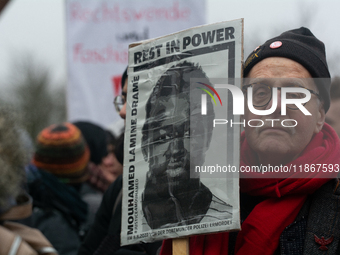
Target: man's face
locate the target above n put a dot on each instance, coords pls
(111, 168)
(280, 145)
(170, 134)
(333, 115)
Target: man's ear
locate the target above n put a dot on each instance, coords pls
(321, 115)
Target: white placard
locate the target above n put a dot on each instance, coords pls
(173, 151)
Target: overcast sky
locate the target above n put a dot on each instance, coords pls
(37, 27)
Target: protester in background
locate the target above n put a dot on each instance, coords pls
(15, 203)
(55, 177)
(333, 114)
(112, 168)
(104, 235)
(297, 213)
(103, 166)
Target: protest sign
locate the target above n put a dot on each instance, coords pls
(180, 173)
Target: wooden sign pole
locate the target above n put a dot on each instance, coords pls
(180, 246)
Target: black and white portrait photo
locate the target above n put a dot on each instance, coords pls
(175, 138)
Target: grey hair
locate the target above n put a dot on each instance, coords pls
(12, 158)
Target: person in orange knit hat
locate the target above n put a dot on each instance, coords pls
(55, 177)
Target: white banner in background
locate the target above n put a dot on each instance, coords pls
(98, 35)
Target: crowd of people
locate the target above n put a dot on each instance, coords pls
(66, 198)
(53, 195)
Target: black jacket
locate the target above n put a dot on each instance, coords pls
(103, 236)
(58, 211)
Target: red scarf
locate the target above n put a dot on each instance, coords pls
(262, 228)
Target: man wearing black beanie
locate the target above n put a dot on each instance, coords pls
(301, 46)
(292, 207)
